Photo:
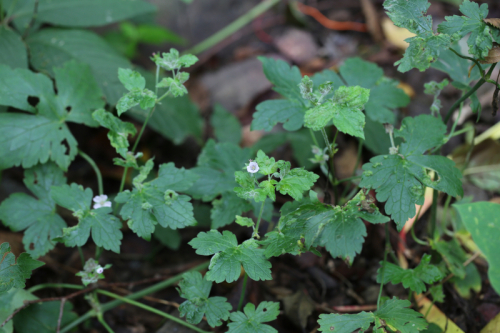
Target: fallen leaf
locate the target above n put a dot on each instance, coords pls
(493, 326)
(493, 55)
(298, 307)
(493, 21)
(436, 316)
(396, 35)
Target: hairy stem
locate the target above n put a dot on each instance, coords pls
(54, 285)
(243, 289)
(147, 291)
(412, 229)
(150, 309)
(387, 246)
(100, 318)
(256, 231)
(470, 92)
(233, 27)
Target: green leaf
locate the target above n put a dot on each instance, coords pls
(411, 278)
(284, 78)
(228, 257)
(425, 47)
(244, 221)
(12, 49)
(44, 318)
(216, 166)
(80, 13)
(267, 166)
(158, 202)
(270, 113)
(480, 40)
(52, 47)
(344, 110)
(294, 182)
(196, 290)
(400, 179)
(423, 51)
(482, 220)
(339, 229)
(226, 208)
(118, 130)
(251, 321)
(393, 314)
(105, 227)
(21, 211)
(131, 79)
(172, 61)
(227, 127)
(410, 15)
(145, 98)
(357, 72)
(13, 273)
(29, 139)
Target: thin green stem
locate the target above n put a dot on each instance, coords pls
(387, 246)
(358, 160)
(103, 323)
(98, 252)
(136, 143)
(481, 169)
(147, 291)
(54, 285)
(429, 309)
(327, 142)
(412, 229)
(233, 27)
(347, 179)
(313, 136)
(467, 95)
(434, 212)
(243, 290)
(82, 257)
(151, 309)
(96, 170)
(256, 231)
(463, 130)
(481, 71)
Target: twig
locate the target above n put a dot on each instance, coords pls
(330, 24)
(61, 310)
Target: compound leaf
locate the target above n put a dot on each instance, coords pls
(14, 273)
(269, 113)
(157, 201)
(104, 226)
(251, 321)
(411, 278)
(480, 40)
(285, 79)
(229, 256)
(344, 110)
(400, 179)
(196, 290)
(295, 182)
(21, 211)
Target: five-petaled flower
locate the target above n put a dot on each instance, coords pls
(252, 167)
(99, 270)
(101, 201)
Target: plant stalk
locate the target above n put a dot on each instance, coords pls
(256, 231)
(470, 92)
(96, 170)
(232, 27)
(243, 289)
(387, 246)
(150, 309)
(147, 291)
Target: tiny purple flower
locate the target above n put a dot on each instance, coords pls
(99, 270)
(252, 167)
(101, 201)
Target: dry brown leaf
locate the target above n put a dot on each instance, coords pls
(493, 56)
(372, 20)
(493, 21)
(396, 35)
(298, 307)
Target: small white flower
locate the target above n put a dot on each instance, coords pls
(99, 270)
(252, 167)
(101, 201)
